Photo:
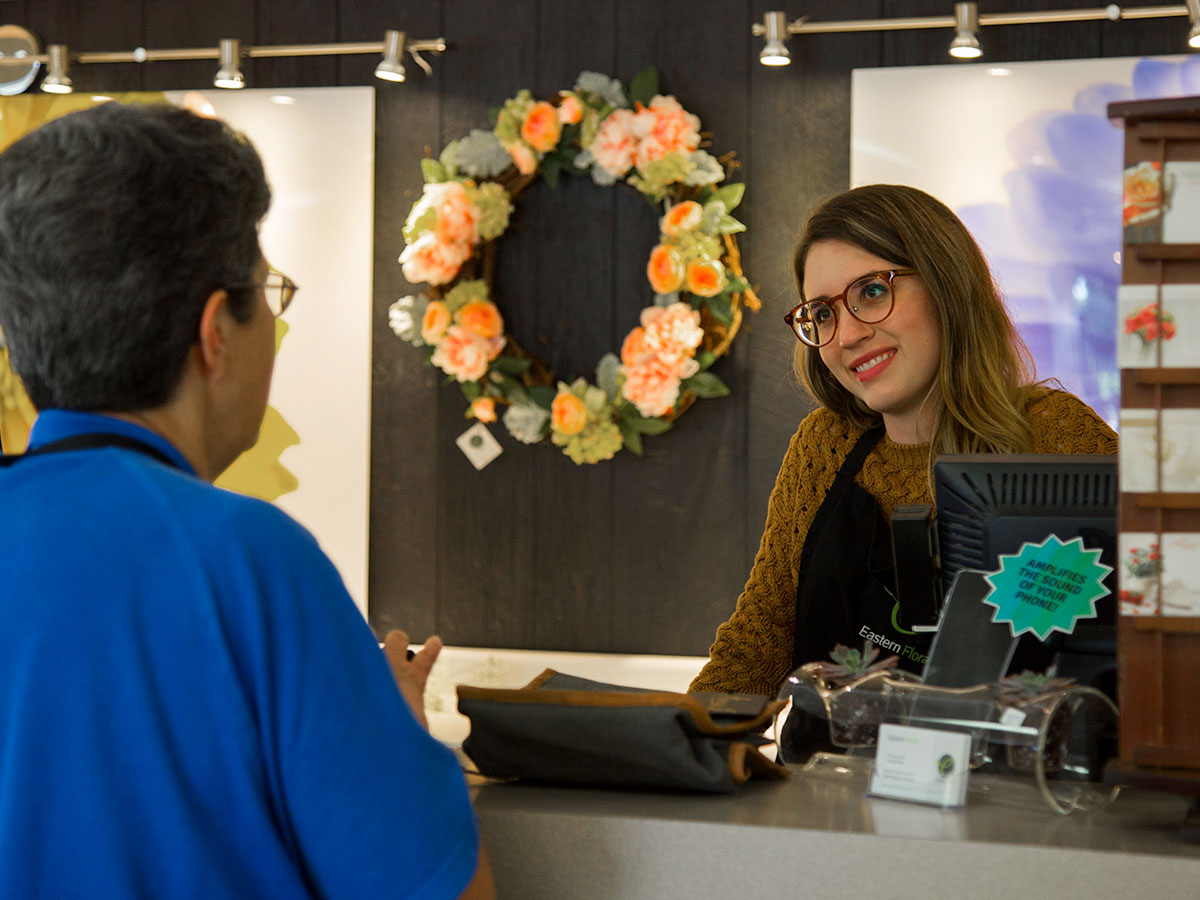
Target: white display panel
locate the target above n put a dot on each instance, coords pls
(1026, 156)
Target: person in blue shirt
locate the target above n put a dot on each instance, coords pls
(190, 703)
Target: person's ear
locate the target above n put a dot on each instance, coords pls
(215, 322)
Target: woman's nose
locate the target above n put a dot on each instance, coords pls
(851, 331)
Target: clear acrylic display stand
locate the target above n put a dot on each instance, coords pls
(1060, 737)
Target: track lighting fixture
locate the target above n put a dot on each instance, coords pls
(57, 81)
(229, 76)
(966, 40)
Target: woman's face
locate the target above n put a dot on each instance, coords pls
(891, 365)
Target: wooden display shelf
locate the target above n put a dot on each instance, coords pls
(1168, 500)
(1151, 252)
(1167, 376)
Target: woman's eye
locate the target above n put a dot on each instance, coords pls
(872, 291)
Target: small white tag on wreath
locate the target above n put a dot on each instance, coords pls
(479, 445)
(601, 129)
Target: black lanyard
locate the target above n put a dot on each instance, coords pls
(92, 441)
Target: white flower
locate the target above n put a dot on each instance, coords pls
(404, 317)
(527, 422)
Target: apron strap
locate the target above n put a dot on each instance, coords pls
(92, 441)
(830, 507)
(841, 484)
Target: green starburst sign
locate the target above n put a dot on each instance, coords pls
(1047, 587)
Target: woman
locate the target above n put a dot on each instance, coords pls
(905, 343)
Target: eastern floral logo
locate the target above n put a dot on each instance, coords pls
(635, 136)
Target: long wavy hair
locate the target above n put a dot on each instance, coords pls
(985, 373)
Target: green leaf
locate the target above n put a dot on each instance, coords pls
(542, 395)
(606, 375)
(706, 385)
(644, 86)
(448, 158)
(514, 391)
(550, 167)
(734, 284)
(650, 426)
(512, 365)
(633, 440)
(433, 171)
(721, 308)
(729, 225)
(705, 358)
(569, 136)
(730, 194)
(471, 390)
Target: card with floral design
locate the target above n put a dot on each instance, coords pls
(1144, 323)
(1142, 203)
(1181, 210)
(1159, 577)
(1138, 461)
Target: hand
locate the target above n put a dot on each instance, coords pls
(411, 674)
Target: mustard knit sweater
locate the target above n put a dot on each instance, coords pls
(752, 652)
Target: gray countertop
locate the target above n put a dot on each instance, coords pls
(818, 835)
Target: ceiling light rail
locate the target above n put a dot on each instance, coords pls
(775, 28)
(18, 48)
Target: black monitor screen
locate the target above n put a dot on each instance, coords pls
(988, 505)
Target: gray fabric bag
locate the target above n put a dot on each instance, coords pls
(560, 729)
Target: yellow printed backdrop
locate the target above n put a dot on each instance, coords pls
(258, 471)
(318, 148)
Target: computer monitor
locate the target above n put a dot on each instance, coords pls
(989, 505)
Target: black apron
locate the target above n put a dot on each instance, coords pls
(91, 441)
(845, 592)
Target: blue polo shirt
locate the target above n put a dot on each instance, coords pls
(190, 703)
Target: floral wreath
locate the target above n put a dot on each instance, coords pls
(599, 128)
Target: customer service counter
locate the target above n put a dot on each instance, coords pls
(818, 835)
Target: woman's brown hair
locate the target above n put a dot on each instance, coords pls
(985, 370)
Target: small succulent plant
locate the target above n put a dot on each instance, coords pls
(849, 664)
(1027, 684)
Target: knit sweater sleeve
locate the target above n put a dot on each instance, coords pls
(1062, 423)
(752, 652)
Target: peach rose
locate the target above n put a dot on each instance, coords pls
(567, 414)
(541, 127)
(634, 349)
(615, 143)
(672, 129)
(570, 110)
(665, 269)
(482, 318)
(705, 277)
(464, 355)
(484, 409)
(435, 322)
(652, 386)
(523, 157)
(683, 216)
(457, 216)
(1142, 193)
(432, 260)
(673, 333)
(1143, 183)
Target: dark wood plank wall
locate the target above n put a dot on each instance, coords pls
(637, 555)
